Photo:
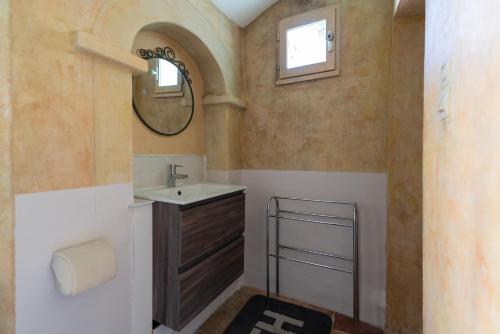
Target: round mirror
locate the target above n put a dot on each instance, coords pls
(163, 98)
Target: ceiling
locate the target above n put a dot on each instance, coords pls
(410, 8)
(243, 12)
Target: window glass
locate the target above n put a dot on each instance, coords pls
(306, 44)
(167, 73)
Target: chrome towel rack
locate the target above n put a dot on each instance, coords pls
(291, 216)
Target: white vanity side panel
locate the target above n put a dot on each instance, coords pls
(49, 221)
(142, 267)
(317, 286)
(151, 170)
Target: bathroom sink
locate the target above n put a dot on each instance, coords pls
(187, 194)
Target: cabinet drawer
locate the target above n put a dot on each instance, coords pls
(206, 227)
(206, 280)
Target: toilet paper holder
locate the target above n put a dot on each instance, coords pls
(82, 267)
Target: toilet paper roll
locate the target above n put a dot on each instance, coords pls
(83, 267)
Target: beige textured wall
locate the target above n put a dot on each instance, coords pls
(192, 139)
(462, 169)
(7, 310)
(404, 168)
(333, 124)
(223, 130)
(53, 130)
(72, 116)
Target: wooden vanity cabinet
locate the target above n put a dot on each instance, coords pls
(197, 253)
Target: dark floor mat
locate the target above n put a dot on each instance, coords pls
(280, 318)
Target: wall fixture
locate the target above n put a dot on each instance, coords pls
(308, 46)
(163, 98)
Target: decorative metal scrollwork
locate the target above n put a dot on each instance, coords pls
(168, 54)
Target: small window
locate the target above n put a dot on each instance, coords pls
(168, 79)
(308, 46)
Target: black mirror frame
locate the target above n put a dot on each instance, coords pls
(168, 54)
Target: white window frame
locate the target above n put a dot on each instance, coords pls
(167, 91)
(313, 71)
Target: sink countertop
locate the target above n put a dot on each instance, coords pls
(187, 194)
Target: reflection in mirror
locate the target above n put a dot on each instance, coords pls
(163, 97)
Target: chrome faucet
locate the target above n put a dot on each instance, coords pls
(173, 176)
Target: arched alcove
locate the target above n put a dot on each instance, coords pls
(190, 141)
(120, 23)
(208, 37)
(212, 74)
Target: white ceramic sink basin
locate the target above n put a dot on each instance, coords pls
(187, 194)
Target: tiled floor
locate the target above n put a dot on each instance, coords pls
(221, 319)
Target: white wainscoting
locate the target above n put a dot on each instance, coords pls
(142, 268)
(49, 221)
(151, 170)
(315, 285)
